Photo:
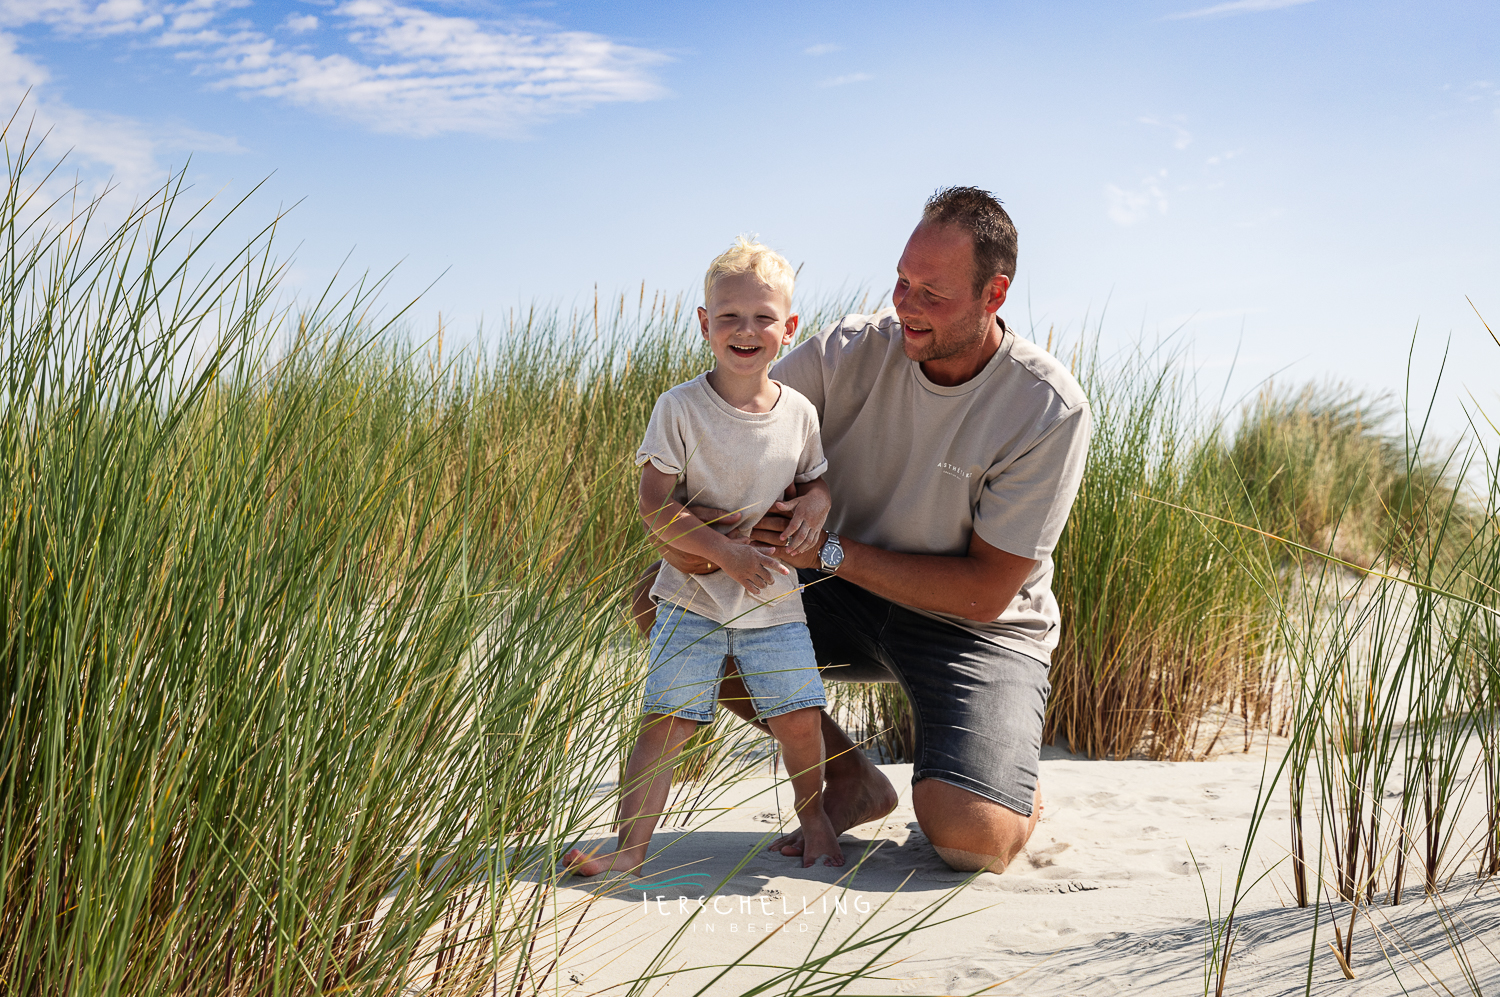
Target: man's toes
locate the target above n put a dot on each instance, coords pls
(792, 848)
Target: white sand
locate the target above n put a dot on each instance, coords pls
(1106, 900)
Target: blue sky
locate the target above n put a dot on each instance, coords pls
(1302, 183)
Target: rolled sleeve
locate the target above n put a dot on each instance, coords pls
(664, 445)
(1024, 506)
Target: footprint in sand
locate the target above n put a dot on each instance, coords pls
(1044, 857)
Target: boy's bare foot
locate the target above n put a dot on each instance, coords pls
(847, 802)
(581, 863)
(819, 839)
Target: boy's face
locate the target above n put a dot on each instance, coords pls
(746, 324)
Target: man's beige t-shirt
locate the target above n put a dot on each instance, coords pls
(917, 467)
(740, 461)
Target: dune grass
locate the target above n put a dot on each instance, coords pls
(316, 651)
(314, 655)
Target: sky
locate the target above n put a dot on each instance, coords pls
(1288, 190)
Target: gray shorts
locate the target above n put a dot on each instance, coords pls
(978, 707)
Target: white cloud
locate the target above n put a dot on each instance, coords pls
(839, 81)
(1126, 207)
(1234, 7)
(107, 147)
(823, 48)
(1184, 137)
(411, 71)
(94, 17)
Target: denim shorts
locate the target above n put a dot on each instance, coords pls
(687, 661)
(977, 707)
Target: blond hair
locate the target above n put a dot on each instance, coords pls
(746, 257)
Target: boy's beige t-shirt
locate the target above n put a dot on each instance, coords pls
(741, 461)
(917, 467)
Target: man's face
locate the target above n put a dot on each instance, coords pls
(746, 324)
(941, 316)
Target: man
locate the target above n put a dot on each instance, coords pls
(955, 450)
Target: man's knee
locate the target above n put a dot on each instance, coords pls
(969, 832)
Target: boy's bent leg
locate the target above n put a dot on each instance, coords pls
(844, 620)
(969, 832)
(648, 779)
(801, 737)
(855, 792)
(642, 607)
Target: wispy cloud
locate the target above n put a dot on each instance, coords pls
(839, 81)
(103, 148)
(1234, 7)
(91, 17)
(399, 67)
(1183, 139)
(823, 48)
(1126, 207)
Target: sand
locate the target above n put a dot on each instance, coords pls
(1109, 898)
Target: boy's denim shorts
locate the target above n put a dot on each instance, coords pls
(687, 661)
(978, 708)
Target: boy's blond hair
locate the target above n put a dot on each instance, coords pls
(768, 266)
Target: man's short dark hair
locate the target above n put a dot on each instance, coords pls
(979, 213)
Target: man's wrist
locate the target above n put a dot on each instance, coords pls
(830, 554)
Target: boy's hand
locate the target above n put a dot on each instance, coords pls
(805, 517)
(748, 566)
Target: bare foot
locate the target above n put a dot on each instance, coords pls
(819, 839)
(848, 802)
(582, 863)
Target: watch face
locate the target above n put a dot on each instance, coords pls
(832, 555)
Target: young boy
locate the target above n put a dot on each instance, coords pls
(731, 439)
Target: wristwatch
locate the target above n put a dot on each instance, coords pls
(831, 554)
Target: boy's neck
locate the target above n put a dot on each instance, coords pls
(748, 394)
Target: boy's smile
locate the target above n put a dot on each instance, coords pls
(746, 324)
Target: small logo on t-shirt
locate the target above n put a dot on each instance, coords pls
(954, 471)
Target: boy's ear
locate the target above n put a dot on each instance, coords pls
(791, 331)
(703, 320)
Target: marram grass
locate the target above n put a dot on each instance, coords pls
(314, 654)
(315, 649)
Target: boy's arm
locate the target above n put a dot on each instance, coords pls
(672, 524)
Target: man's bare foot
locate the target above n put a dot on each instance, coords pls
(581, 863)
(850, 801)
(819, 839)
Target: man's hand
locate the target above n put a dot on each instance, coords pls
(805, 517)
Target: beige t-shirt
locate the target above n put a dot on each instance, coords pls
(741, 461)
(917, 467)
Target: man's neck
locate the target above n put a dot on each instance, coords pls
(748, 394)
(952, 371)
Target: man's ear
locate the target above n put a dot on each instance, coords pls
(791, 331)
(994, 292)
(703, 320)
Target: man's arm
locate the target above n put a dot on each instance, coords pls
(977, 586)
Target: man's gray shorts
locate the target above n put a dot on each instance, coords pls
(978, 707)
